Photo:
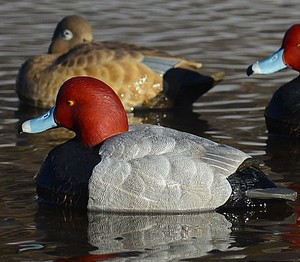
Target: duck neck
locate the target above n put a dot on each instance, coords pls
(96, 138)
(94, 133)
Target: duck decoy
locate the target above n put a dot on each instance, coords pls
(142, 77)
(283, 111)
(111, 166)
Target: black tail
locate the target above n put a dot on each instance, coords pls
(251, 188)
(184, 86)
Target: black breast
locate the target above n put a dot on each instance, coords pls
(64, 175)
(283, 112)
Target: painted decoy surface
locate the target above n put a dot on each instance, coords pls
(283, 111)
(111, 166)
(141, 76)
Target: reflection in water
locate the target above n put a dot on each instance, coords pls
(153, 237)
(163, 236)
(284, 155)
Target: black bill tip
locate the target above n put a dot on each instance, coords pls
(249, 71)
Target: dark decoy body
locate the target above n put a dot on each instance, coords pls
(283, 111)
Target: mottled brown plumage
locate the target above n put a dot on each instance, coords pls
(127, 68)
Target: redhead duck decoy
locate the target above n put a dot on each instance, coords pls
(142, 77)
(283, 112)
(142, 168)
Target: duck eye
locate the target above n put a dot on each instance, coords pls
(67, 35)
(70, 103)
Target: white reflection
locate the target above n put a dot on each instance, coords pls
(159, 237)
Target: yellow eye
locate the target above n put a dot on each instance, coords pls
(298, 45)
(70, 102)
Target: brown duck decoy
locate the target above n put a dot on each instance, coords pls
(142, 77)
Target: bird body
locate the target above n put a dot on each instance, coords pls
(111, 166)
(136, 73)
(282, 113)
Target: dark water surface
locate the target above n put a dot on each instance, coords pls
(226, 35)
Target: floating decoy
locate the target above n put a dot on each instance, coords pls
(112, 166)
(283, 111)
(142, 77)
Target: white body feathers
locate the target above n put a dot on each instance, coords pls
(157, 169)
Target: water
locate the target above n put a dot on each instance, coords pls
(226, 35)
